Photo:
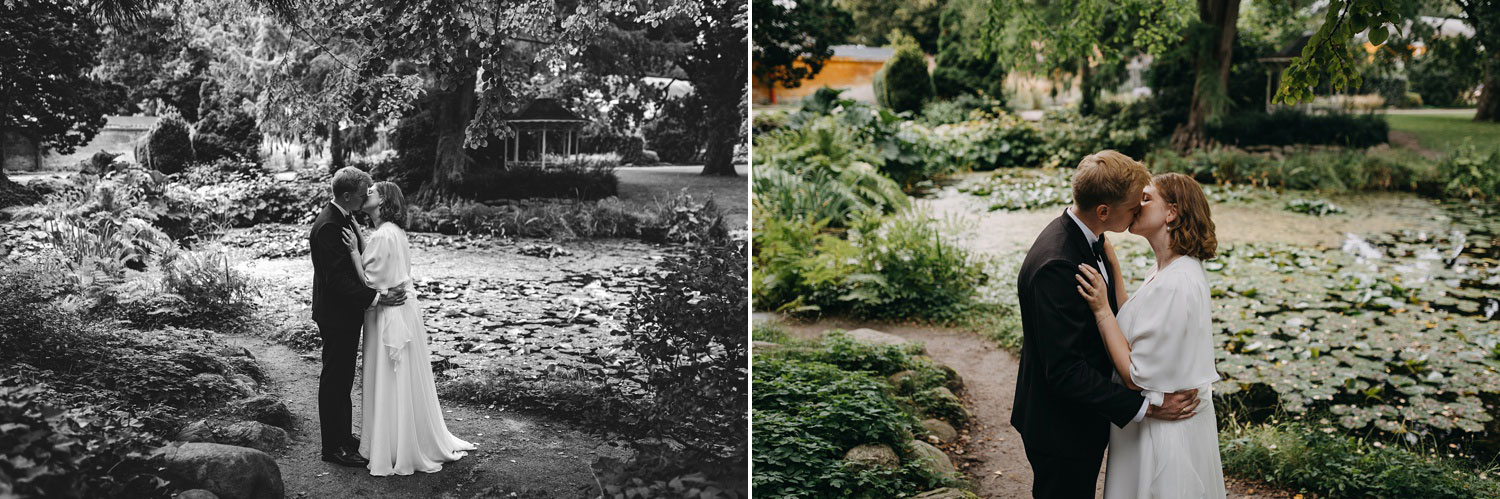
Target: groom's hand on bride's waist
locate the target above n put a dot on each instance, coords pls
(393, 298)
(1175, 406)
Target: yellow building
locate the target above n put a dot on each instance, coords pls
(852, 68)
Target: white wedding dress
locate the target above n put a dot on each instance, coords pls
(403, 428)
(1166, 322)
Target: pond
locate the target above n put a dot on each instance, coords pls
(532, 307)
(1382, 318)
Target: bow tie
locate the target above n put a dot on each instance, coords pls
(1098, 247)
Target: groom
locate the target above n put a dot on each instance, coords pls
(340, 298)
(1065, 400)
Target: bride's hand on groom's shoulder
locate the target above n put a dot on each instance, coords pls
(1091, 285)
(351, 239)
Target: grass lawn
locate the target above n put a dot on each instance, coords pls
(1444, 131)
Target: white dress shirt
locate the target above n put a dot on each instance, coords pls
(1152, 398)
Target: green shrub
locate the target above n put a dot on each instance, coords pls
(902, 84)
(631, 149)
(94, 360)
(818, 172)
(812, 406)
(53, 451)
(839, 350)
(415, 142)
(1330, 171)
(962, 65)
(238, 193)
(227, 134)
(1471, 172)
(166, 148)
(97, 253)
(766, 121)
(764, 331)
(1338, 466)
(677, 135)
(198, 289)
(989, 144)
(1289, 127)
(680, 220)
(959, 109)
(586, 177)
(12, 193)
(1173, 74)
(903, 267)
(689, 332)
(1445, 76)
(1068, 136)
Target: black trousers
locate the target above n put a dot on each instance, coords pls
(336, 382)
(1064, 477)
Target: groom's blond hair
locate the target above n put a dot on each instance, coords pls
(1107, 177)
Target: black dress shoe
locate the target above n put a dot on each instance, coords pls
(343, 457)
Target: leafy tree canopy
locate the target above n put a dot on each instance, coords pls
(46, 91)
(792, 39)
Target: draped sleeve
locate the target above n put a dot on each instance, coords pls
(386, 266)
(1171, 337)
(382, 269)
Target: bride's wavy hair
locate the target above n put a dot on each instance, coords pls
(392, 204)
(1193, 234)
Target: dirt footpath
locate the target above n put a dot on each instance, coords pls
(995, 459)
(519, 455)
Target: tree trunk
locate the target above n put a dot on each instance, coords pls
(1486, 24)
(335, 148)
(1220, 16)
(722, 133)
(1489, 103)
(453, 109)
(1088, 91)
(1489, 96)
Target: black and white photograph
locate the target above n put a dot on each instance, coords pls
(264, 249)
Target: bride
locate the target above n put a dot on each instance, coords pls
(403, 429)
(1162, 342)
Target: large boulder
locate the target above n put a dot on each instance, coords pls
(940, 429)
(197, 431)
(265, 409)
(874, 456)
(245, 384)
(955, 382)
(946, 493)
(228, 471)
(256, 435)
(868, 335)
(932, 458)
(942, 404)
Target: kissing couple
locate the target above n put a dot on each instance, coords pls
(1104, 367)
(365, 284)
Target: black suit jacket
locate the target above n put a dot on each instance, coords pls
(1065, 400)
(339, 293)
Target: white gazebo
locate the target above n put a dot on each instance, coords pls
(541, 118)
